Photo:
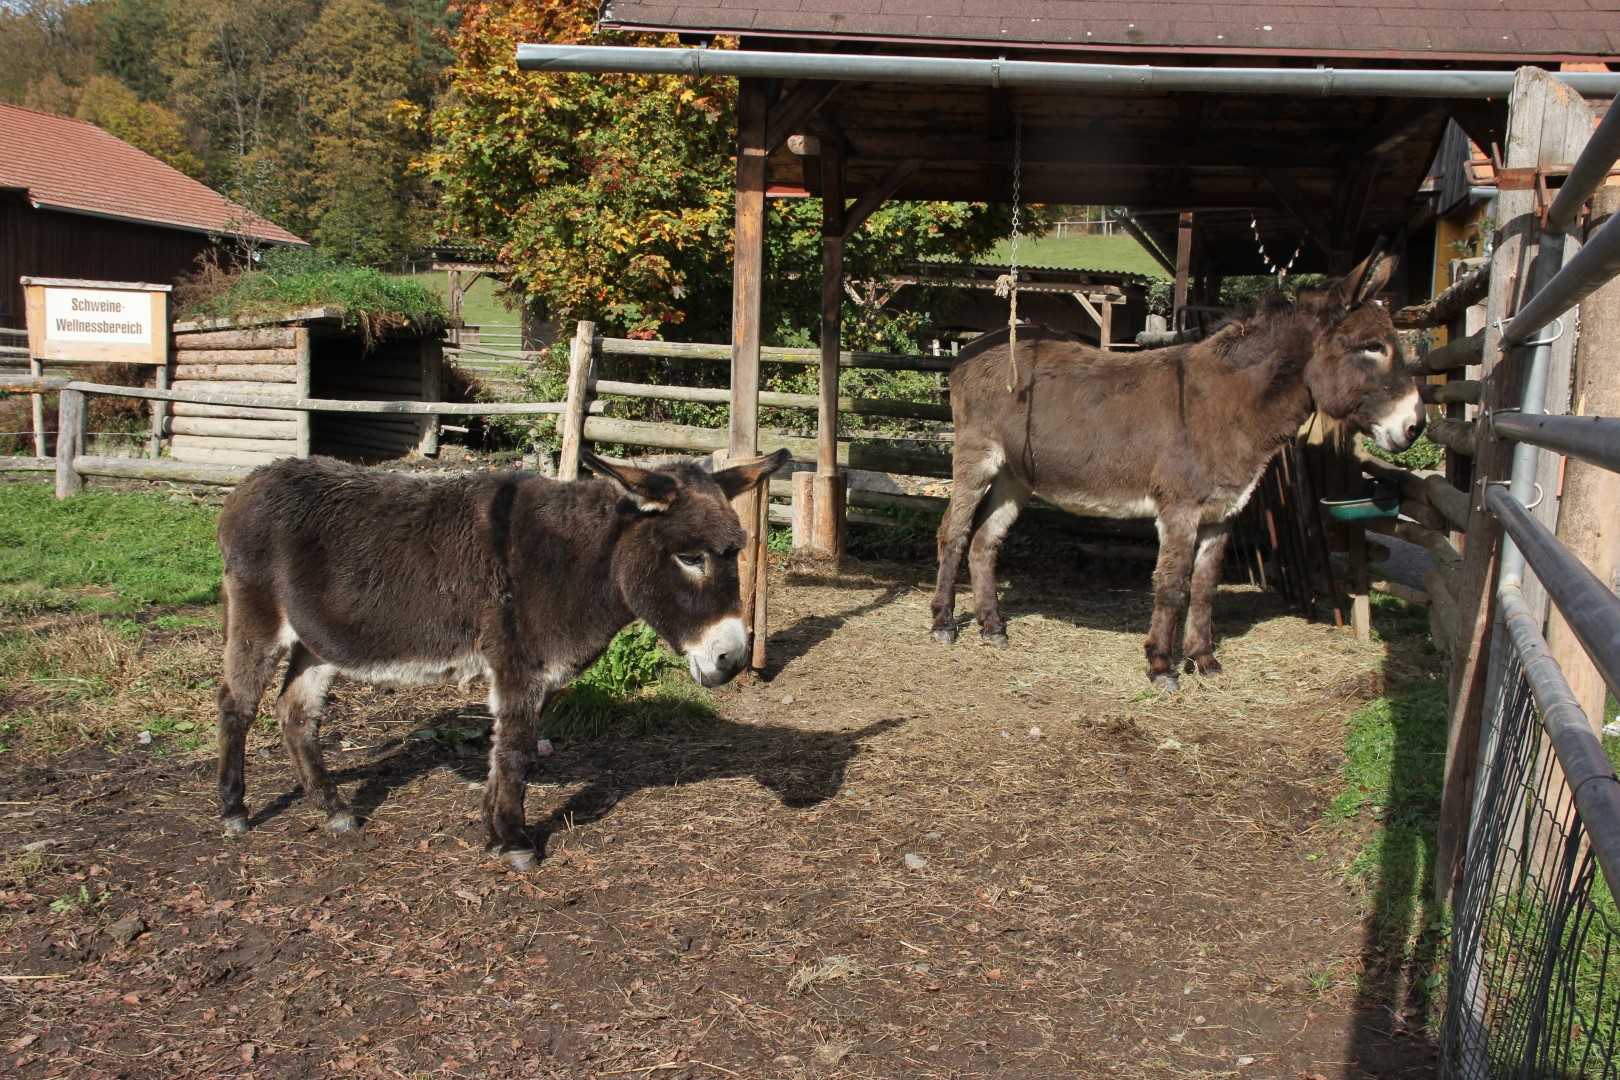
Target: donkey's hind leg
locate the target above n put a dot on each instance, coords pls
(252, 648)
(1199, 641)
(973, 471)
(1172, 577)
(299, 708)
(997, 512)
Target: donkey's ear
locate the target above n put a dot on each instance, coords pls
(652, 492)
(744, 475)
(1372, 276)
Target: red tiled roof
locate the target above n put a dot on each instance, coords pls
(67, 164)
(1507, 30)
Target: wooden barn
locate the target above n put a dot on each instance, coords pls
(76, 202)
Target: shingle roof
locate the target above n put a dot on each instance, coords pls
(1437, 29)
(67, 164)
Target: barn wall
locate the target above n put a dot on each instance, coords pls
(47, 243)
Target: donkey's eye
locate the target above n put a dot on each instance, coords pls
(1377, 348)
(692, 560)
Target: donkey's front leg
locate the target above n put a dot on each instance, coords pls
(1199, 641)
(1178, 546)
(516, 704)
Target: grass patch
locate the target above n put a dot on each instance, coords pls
(288, 279)
(1118, 251)
(637, 686)
(102, 551)
(1390, 788)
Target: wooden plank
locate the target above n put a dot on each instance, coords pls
(1463, 391)
(1464, 293)
(1586, 520)
(259, 337)
(305, 389)
(1458, 436)
(747, 292)
(233, 428)
(1461, 353)
(287, 356)
(684, 350)
(28, 464)
(211, 455)
(162, 469)
(871, 457)
(187, 408)
(279, 447)
(250, 373)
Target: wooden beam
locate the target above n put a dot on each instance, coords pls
(747, 292)
(1184, 239)
(876, 195)
(1401, 123)
(789, 115)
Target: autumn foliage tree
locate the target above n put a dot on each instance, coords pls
(610, 197)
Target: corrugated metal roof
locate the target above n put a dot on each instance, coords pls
(1440, 29)
(67, 164)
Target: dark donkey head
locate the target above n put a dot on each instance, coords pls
(1356, 372)
(677, 570)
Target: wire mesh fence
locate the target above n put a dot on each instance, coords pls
(1535, 960)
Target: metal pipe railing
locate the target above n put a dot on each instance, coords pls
(1586, 603)
(1591, 268)
(1588, 171)
(1041, 74)
(1590, 438)
(1587, 769)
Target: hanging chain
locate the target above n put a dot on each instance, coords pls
(1008, 284)
(1271, 267)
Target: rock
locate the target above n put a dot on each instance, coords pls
(128, 928)
(544, 748)
(915, 861)
(144, 738)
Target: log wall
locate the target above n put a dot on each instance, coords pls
(258, 362)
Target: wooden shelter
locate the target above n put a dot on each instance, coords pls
(305, 354)
(1234, 133)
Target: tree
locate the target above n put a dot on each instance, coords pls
(364, 203)
(145, 125)
(49, 48)
(610, 197)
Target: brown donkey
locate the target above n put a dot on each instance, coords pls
(1179, 434)
(502, 576)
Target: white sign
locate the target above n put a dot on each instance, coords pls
(76, 321)
(98, 315)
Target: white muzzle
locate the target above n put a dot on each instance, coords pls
(719, 654)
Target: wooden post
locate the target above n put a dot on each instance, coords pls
(1547, 125)
(36, 367)
(824, 494)
(303, 437)
(748, 280)
(581, 386)
(1183, 269)
(1586, 519)
(1105, 336)
(160, 413)
(432, 361)
(70, 434)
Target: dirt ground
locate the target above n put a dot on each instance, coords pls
(886, 858)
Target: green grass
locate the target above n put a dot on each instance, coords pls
(1116, 252)
(481, 305)
(103, 551)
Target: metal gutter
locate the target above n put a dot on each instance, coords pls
(1042, 74)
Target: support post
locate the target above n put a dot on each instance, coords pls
(304, 433)
(432, 361)
(36, 368)
(581, 386)
(1184, 233)
(823, 503)
(748, 281)
(70, 435)
(160, 413)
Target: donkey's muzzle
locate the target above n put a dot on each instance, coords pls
(718, 655)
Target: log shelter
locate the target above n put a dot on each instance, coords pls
(305, 354)
(1234, 135)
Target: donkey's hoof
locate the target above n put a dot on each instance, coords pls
(1209, 669)
(945, 635)
(521, 859)
(236, 826)
(998, 638)
(342, 822)
(1168, 681)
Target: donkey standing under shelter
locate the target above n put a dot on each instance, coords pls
(505, 576)
(1181, 434)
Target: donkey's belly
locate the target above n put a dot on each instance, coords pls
(382, 667)
(1091, 504)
